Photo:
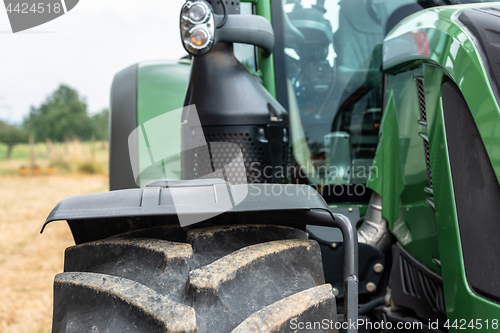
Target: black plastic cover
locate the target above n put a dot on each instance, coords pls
(333, 258)
(247, 29)
(122, 122)
(416, 287)
(484, 26)
(225, 93)
(477, 195)
(201, 197)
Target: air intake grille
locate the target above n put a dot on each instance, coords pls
(418, 284)
(257, 163)
(421, 98)
(423, 121)
(428, 161)
(240, 170)
(416, 287)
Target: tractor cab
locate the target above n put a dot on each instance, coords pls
(333, 87)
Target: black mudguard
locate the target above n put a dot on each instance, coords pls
(208, 202)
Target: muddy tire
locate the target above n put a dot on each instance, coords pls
(246, 278)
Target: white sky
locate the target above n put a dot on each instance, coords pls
(84, 49)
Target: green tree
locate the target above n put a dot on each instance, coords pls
(11, 135)
(62, 116)
(100, 124)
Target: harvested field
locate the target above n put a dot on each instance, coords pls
(29, 260)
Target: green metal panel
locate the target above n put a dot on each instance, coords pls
(453, 54)
(161, 88)
(402, 172)
(266, 64)
(461, 302)
(388, 160)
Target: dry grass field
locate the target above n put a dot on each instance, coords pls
(63, 158)
(29, 260)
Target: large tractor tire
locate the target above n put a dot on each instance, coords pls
(242, 278)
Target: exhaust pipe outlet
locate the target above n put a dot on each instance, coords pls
(375, 231)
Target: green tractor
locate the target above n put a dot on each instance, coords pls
(336, 170)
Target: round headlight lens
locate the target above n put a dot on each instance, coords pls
(197, 13)
(197, 27)
(199, 37)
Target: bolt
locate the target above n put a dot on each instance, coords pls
(284, 131)
(261, 131)
(334, 245)
(193, 133)
(371, 287)
(350, 210)
(335, 292)
(378, 268)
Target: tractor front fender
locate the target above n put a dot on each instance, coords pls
(208, 202)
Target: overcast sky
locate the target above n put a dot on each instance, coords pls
(84, 49)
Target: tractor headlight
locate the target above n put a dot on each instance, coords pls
(199, 37)
(197, 12)
(197, 27)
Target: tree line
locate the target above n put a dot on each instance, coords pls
(63, 116)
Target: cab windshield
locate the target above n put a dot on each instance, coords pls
(333, 58)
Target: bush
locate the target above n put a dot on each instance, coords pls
(89, 167)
